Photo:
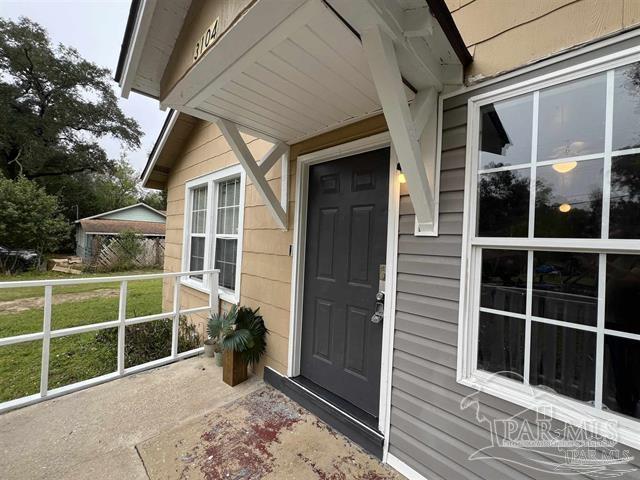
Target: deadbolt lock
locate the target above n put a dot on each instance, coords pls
(379, 313)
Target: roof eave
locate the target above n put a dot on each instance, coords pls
(442, 14)
(126, 40)
(165, 131)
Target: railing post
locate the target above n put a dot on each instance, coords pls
(213, 293)
(46, 341)
(176, 317)
(49, 331)
(122, 316)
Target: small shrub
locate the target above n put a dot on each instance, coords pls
(30, 219)
(128, 245)
(145, 342)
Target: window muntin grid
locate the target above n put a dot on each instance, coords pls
(505, 221)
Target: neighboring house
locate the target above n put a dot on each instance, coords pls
(512, 246)
(92, 232)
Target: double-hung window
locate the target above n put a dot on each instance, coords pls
(551, 260)
(213, 229)
(226, 236)
(197, 230)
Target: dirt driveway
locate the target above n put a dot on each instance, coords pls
(24, 304)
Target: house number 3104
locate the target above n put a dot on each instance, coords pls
(206, 40)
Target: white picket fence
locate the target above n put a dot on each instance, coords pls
(121, 323)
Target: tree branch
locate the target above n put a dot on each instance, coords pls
(60, 172)
(15, 160)
(42, 94)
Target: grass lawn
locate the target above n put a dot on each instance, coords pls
(73, 358)
(16, 293)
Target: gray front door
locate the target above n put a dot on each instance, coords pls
(345, 249)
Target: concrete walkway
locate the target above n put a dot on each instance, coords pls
(178, 421)
(93, 433)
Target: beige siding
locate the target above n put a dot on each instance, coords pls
(201, 15)
(506, 34)
(206, 151)
(266, 262)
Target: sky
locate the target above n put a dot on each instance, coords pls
(95, 28)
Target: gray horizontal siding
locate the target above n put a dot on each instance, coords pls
(437, 330)
(456, 117)
(451, 202)
(445, 267)
(430, 286)
(443, 245)
(443, 310)
(454, 138)
(429, 431)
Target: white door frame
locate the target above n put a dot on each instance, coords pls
(304, 162)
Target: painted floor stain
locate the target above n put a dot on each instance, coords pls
(264, 435)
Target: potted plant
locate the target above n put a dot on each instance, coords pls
(210, 345)
(218, 327)
(242, 337)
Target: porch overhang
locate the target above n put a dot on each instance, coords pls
(288, 70)
(167, 147)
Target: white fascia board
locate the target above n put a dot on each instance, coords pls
(138, 40)
(173, 116)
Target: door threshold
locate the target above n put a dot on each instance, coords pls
(355, 429)
(337, 402)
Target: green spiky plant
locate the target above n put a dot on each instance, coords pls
(240, 330)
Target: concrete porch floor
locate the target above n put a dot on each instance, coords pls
(140, 427)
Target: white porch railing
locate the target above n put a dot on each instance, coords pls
(121, 323)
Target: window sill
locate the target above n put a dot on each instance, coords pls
(228, 297)
(579, 414)
(223, 294)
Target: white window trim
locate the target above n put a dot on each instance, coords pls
(210, 180)
(564, 409)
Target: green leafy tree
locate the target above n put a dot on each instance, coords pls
(118, 188)
(155, 199)
(85, 194)
(29, 219)
(54, 107)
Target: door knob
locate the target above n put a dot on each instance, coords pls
(378, 315)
